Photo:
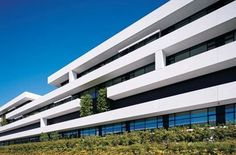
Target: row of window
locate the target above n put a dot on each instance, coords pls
(201, 48)
(148, 123)
(122, 53)
(93, 91)
(206, 116)
(202, 116)
(156, 36)
(4, 114)
(140, 71)
(196, 16)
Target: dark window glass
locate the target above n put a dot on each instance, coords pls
(198, 15)
(150, 68)
(229, 108)
(139, 125)
(198, 49)
(170, 60)
(116, 80)
(139, 72)
(229, 38)
(160, 122)
(151, 123)
(113, 128)
(203, 47)
(212, 111)
(171, 120)
(182, 118)
(230, 113)
(182, 23)
(109, 83)
(199, 113)
(89, 132)
(234, 35)
(182, 55)
(211, 45)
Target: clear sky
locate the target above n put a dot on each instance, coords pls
(38, 37)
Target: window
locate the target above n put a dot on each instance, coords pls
(172, 120)
(199, 116)
(203, 47)
(89, 132)
(159, 122)
(229, 38)
(139, 72)
(182, 23)
(182, 119)
(148, 123)
(170, 60)
(116, 81)
(212, 116)
(211, 45)
(182, 55)
(151, 123)
(149, 68)
(108, 83)
(113, 128)
(198, 49)
(230, 113)
(70, 134)
(234, 35)
(198, 15)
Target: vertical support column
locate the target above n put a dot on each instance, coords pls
(72, 76)
(100, 130)
(220, 115)
(166, 121)
(160, 60)
(43, 122)
(127, 126)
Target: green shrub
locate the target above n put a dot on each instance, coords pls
(4, 120)
(86, 105)
(160, 141)
(44, 137)
(102, 101)
(55, 135)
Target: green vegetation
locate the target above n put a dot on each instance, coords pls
(102, 101)
(4, 120)
(200, 140)
(86, 105)
(55, 135)
(44, 137)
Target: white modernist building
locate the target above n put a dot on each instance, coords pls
(175, 66)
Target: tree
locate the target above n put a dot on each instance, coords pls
(4, 120)
(55, 135)
(44, 137)
(86, 105)
(102, 101)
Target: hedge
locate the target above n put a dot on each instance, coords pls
(200, 140)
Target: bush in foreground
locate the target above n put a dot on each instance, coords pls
(220, 140)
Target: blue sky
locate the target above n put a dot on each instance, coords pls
(38, 37)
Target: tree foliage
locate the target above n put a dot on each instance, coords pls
(86, 105)
(177, 140)
(4, 120)
(55, 135)
(44, 137)
(102, 101)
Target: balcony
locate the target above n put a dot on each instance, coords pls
(60, 110)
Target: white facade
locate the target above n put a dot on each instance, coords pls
(157, 67)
